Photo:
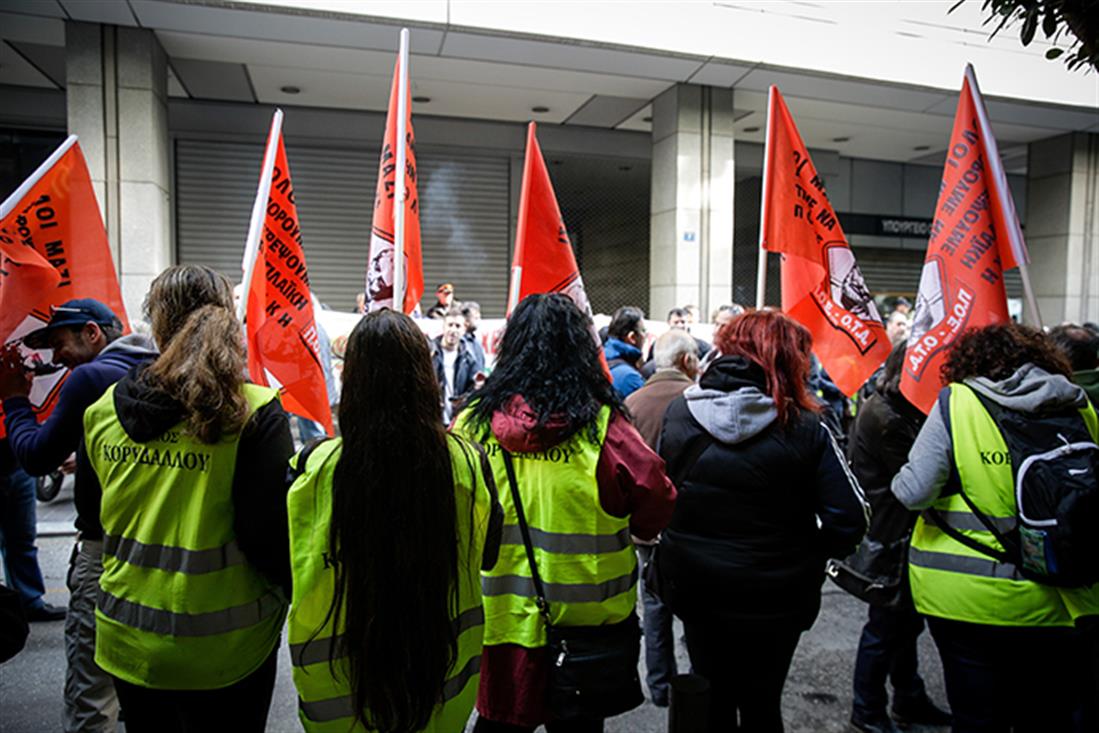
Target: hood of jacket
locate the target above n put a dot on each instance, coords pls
(516, 427)
(145, 412)
(136, 346)
(616, 349)
(729, 402)
(1031, 389)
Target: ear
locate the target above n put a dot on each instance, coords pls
(93, 334)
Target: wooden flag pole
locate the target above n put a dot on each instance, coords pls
(400, 193)
(259, 208)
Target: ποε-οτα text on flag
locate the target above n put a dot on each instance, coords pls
(53, 248)
(822, 287)
(975, 236)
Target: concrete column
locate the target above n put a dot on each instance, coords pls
(1062, 231)
(117, 104)
(691, 235)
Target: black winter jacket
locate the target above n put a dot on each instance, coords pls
(883, 433)
(744, 543)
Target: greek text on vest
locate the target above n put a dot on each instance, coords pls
(167, 458)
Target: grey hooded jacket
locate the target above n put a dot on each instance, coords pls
(1030, 389)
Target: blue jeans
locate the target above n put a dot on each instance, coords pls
(307, 429)
(659, 640)
(888, 649)
(17, 533)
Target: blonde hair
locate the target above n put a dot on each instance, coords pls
(201, 363)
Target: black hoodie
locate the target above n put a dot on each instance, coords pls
(760, 504)
(259, 481)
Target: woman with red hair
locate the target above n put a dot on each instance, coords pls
(765, 497)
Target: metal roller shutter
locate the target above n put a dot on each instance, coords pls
(464, 216)
(897, 271)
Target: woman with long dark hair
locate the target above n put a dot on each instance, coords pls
(586, 481)
(1011, 657)
(764, 498)
(390, 526)
(192, 465)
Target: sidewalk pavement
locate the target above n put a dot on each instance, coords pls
(817, 698)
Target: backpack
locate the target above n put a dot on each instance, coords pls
(1055, 469)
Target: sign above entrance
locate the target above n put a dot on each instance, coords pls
(885, 226)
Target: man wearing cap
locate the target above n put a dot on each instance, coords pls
(86, 337)
(444, 296)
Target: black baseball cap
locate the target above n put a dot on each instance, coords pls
(75, 312)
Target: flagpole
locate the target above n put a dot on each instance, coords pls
(33, 178)
(520, 232)
(399, 191)
(255, 227)
(1014, 233)
(761, 269)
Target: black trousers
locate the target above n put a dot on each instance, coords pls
(240, 708)
(746, 665)
(484, 725)
(1010, 678)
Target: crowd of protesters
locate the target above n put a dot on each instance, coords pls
(471, 537)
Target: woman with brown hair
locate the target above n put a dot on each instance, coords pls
(1011, 657)
(764, 498)
(191, 461)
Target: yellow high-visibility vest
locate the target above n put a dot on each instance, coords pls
(953, 581)
(179, 607)
(585, 556)
(324, 693)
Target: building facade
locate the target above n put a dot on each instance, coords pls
(651, 117)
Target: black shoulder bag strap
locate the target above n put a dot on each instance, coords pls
(496, 512)
(539, 589)
(955, 483)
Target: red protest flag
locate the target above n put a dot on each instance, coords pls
(283, 343)
(53, 248)
(543, 261)
(380, 268)
(975, 236)
(822, 287)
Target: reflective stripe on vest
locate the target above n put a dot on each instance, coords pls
(324, 699)
(178, 606)
(969, 522)
(173, 559)
(520, 585)
(156, 621)
(585, 556)
(951, 580)
(568, 543)
(987, 568)
(316, 651)
(337, 708)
